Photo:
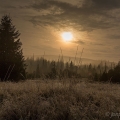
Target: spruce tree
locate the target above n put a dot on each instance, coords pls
(12, 63)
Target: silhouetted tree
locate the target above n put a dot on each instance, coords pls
(104, 77)
(37, 71)
(53, 72)
(12, 66)
(96, 77)
(90, 66)
(114, 74)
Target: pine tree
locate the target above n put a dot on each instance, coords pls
(37, 71)
(12, 63)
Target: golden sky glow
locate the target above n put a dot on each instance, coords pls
(49, 25)
(67, 36)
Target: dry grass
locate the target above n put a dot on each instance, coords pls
(59, 100)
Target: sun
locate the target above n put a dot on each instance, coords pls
(67, 36)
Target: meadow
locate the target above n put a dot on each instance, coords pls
(67, 99)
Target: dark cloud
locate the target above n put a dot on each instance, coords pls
(113, 36)
(99, 44)
(117, 47)
(102, 4)
(9, 7)
(93, 14)
(43, 47)
(79, 42)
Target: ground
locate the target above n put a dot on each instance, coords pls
(59, 100)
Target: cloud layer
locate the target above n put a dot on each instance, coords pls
(89, 15)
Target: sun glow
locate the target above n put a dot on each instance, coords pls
(67, 36)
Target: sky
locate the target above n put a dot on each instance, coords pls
(95, 25)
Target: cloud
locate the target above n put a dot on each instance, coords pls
(99, 44)
(88, 15)
(117, 47)
(9, 7)
(113, 36)
(91, 15)
(102, 4)
(79, 42)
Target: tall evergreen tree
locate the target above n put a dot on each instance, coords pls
(12, 63)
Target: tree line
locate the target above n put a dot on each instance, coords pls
(43, 68)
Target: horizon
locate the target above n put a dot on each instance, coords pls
(56, 57)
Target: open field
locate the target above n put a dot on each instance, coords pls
(59, 100)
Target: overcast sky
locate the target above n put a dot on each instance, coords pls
(95, 25)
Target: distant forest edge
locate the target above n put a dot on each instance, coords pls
(63, 67)
(70, 58)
